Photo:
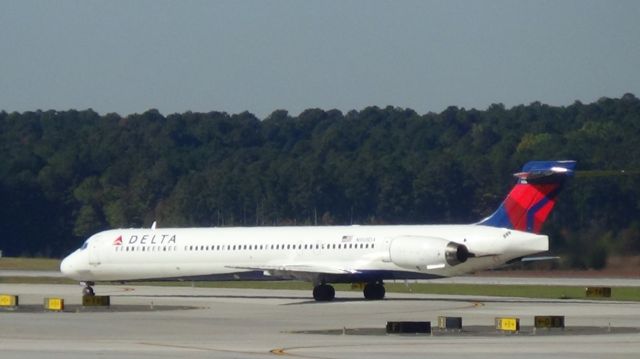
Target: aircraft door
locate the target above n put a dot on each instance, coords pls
(386, 246)
(94, 256)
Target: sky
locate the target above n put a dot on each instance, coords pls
(260, 56)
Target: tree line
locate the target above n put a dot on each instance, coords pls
(67, 174)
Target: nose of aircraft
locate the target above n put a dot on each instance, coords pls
(67, 267)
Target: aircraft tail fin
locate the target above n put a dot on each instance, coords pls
(532, 198)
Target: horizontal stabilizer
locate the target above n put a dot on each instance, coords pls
(536, 171)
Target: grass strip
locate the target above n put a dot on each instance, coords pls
(16, 263)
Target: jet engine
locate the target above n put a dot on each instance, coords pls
(425, 253)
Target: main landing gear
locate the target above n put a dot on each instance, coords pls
(87, 288)
(324, 293)
(374, 291)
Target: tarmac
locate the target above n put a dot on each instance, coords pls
(185, 322)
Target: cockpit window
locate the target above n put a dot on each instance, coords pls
(84, 245)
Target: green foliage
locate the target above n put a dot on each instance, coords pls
(65, 175)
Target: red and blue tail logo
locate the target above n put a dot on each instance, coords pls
(531, 200)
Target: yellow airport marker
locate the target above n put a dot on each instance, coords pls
(8, 301)
(54, 304)
(508, 324)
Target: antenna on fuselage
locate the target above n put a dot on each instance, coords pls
(153, 226)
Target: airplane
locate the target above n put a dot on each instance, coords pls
(367, 254)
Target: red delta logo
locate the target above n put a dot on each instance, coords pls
(118, 241)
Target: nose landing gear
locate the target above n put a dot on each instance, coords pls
(87, 288)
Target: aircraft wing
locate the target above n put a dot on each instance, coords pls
(297, 268)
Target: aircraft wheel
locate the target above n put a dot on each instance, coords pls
(374, 291)
(324, 293)
(88, 291)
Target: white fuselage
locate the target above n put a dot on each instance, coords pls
(332, 253)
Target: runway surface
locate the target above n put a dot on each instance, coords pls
(233, 323)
